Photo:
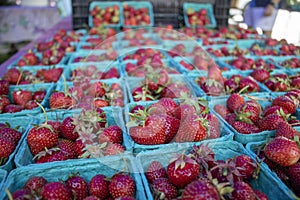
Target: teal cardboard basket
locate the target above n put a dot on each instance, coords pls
(226, 134)
(223, 150)
(104, 5)
(86, 168)
(197, 7)
(3, 175)
(84, 55)
(137, 5)
(114, 116)
(246, 138)
(33, 88)
(23, 123)
(252, 147)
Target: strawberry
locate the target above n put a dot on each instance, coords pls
(270, 122)
(182, 170)
(10, 134)
(171, 127)
(294, 175)
(102, 116)
(114, 149)
(52, 75)
(39, 95)
(100, 103)
(200, 189)
(97, 89)
(250, 83)
(7, 148)
(78, 187)
(78, 147)
(260, 195)
(156, 79)
(4, 101)
(121, 185)
(4, 87)
(245, 165)
(184, 110)
(91, 198)
(155, 171)
(152, 133)
(31, 105)
(12, 108)
(112, 73)
(165, 106)
(212, 87)
(283, 151)
(67, 148)
(242, 191)
(22, 194)
(35, 184)
(162, 188)
(285, 102)
(234, 101)
(21, 97)
(56, 190)
(260, 74)
(245, 128)
(221, 110)
(191, 129)
(67, 129)
(59, 100)
(51, 155)
(41, 137)
(12, 75)
(111, 134)
(248, 112)
(275, 110)
(286, 130)
(56, 126)
(99, 186)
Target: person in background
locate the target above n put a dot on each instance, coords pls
(262, 14)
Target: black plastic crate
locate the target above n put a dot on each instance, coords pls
(221, 11)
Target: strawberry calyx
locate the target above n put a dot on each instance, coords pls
(138, 118)
(181, 159)
(94, 150)
(46, 152)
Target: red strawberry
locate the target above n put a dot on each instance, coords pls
(13, 76)
(56, 126)
(10, 134)
(191, 130)
(285, 102)
(56, 190)
(152, 133)
(35, 183)
(212, 87)
(111, 73)
(221, 110)
(155, 171)
(182, 170)
(4, 87)
(59, 100)
(50, 155)
(12, 108)
(260, 74)
(111, 134)
(234, 101)
(39, 96)
(68, 129)
(286, 130)
(97, 89)
(242, 191)
(114, 149)
(67, 148)
(169, 105)
(121, 185)
(91, 198)
(21, 97)
(275, 110)
(4, 101)
(156, 79)
(260, 195)
(31, 105)
(184, 110)
(22, 194)
(200, 189)
(245, 128)
(52, 75)
(162, 188)
(283, 151)
(41, 137)
(78, 186)
(99, 186)
(102, 117)
(100, 103)
(7, 148)
(248, 112)
(270, 122)
(78, 147)
(245, 165)
(294, 175)
(250, 83)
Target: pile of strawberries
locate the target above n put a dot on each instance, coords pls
(199, 175)
(84, 94)
(244, 63)
(74, 138)
(22, 99)
(18, 76)
(9, 139)
(165, 121)
(248, 116)
(224, 51)
(282, 155)
(291, 63)
(93, 73)
(279, 82)
(109, 55)
(105, 16)
(119, 186)
(136, 16)
(144, 53)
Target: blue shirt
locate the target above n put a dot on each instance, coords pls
(260, 3)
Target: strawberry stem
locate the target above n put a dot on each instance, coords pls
(44, 112)
(243, 89)
(65, 84)
(9, 195)
(19, 78)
